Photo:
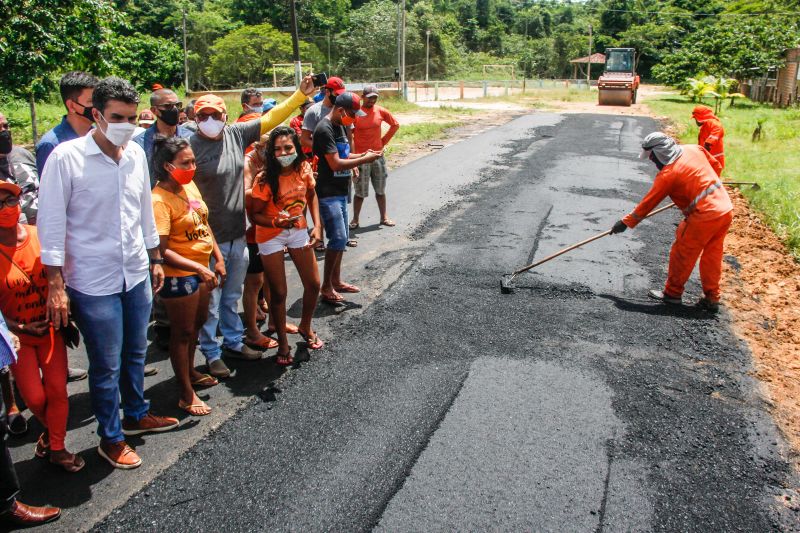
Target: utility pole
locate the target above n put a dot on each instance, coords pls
(329, 50)
(427, 52)
(403, 49)
(185, 56)
(589, 61)
(298, 74)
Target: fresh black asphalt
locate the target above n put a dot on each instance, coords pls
(574, 404)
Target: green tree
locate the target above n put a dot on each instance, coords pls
(146, 60)
(245, 56)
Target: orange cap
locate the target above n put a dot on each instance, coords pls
(13, 188)
(210, 101)
(702, 112)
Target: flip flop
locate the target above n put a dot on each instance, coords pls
(42, 448)
(314, 343)
(193, 407)
(388, 222)
(353, 225)
(284, 359)
(332, 299)
(291, 329)
(205, 381)
(267, 343)
(347, 287)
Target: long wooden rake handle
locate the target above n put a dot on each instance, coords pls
(579, 244)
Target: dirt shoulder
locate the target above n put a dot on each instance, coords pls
(761, 280)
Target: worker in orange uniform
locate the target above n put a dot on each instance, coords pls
(689, 176)
(711, 133)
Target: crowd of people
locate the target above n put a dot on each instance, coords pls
(168, 218)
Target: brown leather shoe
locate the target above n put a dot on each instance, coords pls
(119, 455)
(149, 424)
(27, 515)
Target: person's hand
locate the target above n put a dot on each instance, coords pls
(208, 277)
(156, 277)
(315, 237)
(221, 272)
(307, 86)
(282, 220)
(39, 329)
(619, 227)
(15, 342)
(57, 305)
(372, 155)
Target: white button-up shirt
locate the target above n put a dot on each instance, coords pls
(96, 217)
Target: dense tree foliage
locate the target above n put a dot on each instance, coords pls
(233, 42)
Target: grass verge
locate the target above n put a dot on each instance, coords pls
(773, 161)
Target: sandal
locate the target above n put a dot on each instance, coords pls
(388, 222)
(352, 243)
(205, 381)
(42, 448)
(195, 409)
(266, 343)
(313, 342)
(71, 463)
(291, 329)
(347, 287)
(284, 359)
(333, 300)
(353, 225)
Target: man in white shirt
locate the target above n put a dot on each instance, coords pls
(100, 248)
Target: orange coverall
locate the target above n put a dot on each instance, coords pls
(711, 133)
(692, 182)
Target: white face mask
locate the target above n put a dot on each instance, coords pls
(256, 109)
(211, 127)
(286, 160)
(118, 133)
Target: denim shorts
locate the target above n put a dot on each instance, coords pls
(333, 210)
(179, 286)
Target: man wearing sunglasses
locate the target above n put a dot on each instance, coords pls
(166, 107)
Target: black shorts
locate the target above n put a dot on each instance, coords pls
(255, 266)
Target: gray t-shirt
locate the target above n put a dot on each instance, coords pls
(314, 114)
(220, 176)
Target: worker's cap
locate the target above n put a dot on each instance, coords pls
(351, 102)
(702, 112)
(269, 103)
(146, 118)
(370, 91)
(336, 85)
(664, 146)
(210, 101)
(13, 188)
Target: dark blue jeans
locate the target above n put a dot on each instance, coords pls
(114, 328)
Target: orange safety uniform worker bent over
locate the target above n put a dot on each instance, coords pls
(691, 181)
(711, 133)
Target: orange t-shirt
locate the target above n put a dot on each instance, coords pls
(712, 133)
(19, 299)
(367, 133)
(292, 191)
(184, 218)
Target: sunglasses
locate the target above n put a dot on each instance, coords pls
(168, 106)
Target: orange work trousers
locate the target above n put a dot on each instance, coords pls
(693, 239)
(42, 382)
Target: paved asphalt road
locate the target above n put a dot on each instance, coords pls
(574, 404)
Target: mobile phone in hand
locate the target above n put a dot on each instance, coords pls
(320, 79)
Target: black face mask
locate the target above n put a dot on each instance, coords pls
(169, 116)
(5, 142)
(654, 159)
(87, 111)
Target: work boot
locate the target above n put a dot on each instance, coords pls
(666, 298)
(708, 305)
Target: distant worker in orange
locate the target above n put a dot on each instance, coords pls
(711, 133)
(689, 175)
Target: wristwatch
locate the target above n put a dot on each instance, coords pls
(159, 261)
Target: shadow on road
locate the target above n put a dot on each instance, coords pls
(656, 309)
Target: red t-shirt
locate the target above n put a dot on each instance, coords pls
(19, 299)
(292, 190)
(367, 133)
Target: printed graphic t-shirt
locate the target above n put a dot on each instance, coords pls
(20, 300)
(184, 218)
(292, 190)
(328, 139)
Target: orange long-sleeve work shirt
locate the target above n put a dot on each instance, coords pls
(711, 137)
(692, 182)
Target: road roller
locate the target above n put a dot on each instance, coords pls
(619, 83)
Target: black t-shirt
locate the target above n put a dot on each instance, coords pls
(329, 138)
